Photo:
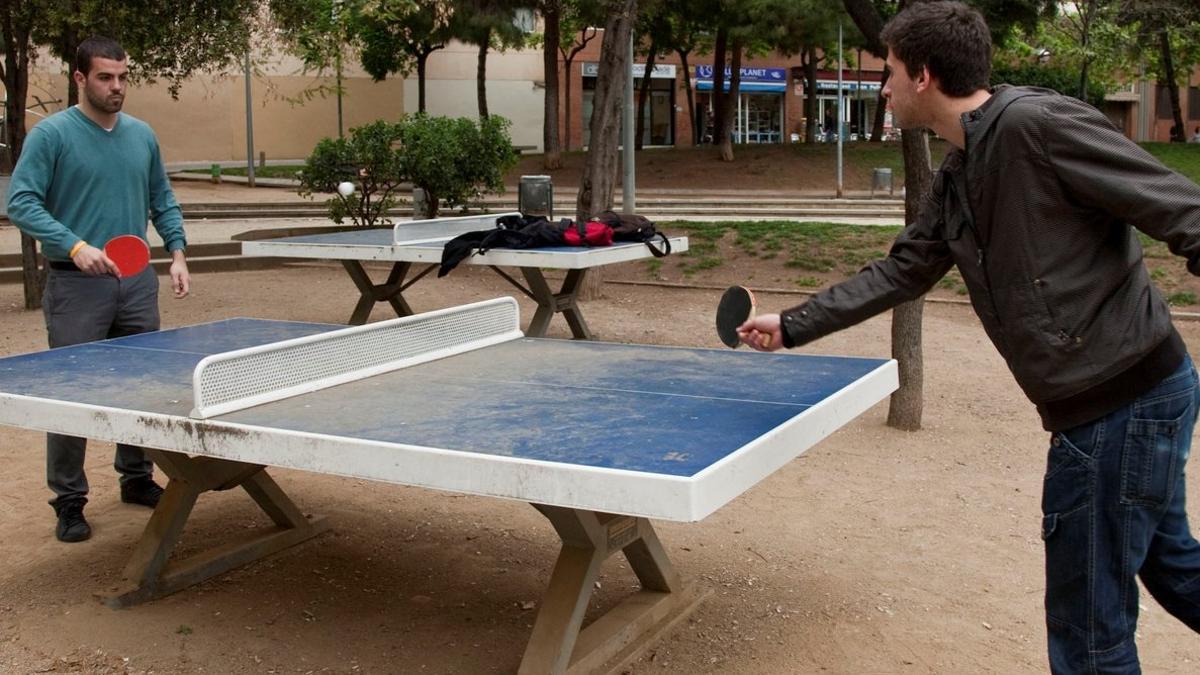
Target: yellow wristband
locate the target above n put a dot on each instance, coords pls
(75, 249)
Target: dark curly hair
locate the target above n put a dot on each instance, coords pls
(950, 38)
(97, 46)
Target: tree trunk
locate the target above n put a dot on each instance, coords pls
(70, 45)
(1086, 12)
(421, 80)
(551, 15)
(481, 74)
(568, 59)
(17, 49)
(603, 160)
(906, 405)
(16, 84)
(1178, 135)
(730, 101)
(32, 278)
(690, 95)
(880, 111)
(643, 95)
(567, 104)
(718, 80)
(810, 99)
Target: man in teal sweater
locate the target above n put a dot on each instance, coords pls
(86, 175)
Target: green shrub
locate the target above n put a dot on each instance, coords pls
(456, 160)
(371, 159)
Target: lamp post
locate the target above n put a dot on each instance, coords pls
(249, 125)
(338, 61)
(839, 112)
(627, 133)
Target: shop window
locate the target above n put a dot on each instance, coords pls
(659, 122)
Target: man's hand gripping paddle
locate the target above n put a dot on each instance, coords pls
(129, 252)
(737, 306)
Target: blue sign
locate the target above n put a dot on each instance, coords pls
(752, 79)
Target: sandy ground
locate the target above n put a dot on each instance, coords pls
(878, 551)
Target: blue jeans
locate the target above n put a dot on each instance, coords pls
(1113, 510)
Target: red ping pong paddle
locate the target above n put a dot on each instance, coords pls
(737, 306)
(130, 252)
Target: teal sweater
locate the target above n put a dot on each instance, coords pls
(74, 181)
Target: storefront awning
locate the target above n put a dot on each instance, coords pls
(752, 79)
(777, 87)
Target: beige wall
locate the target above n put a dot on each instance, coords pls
(515, 88)
(208, 121)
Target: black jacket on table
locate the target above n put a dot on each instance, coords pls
(1039, 213)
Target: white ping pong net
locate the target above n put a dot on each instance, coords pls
(243, 378)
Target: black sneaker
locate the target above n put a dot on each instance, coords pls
(142, 491)
(72, 526)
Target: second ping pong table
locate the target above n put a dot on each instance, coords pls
(420, 242)
(598, 437)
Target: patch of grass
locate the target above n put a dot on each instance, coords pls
(654, 266)
(809, 282)
(1151, 247)
(705, 263)
(183, 629)
(1158, 274)
(264, 171)
(1181, 157)
(1181, 298)
(811, 263)
(953, 282)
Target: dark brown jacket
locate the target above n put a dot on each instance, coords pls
(1037, 214)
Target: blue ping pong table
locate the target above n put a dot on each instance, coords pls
(599, 437)
(421, 241)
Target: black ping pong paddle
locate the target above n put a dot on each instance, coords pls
(130, 252)
(737, 306)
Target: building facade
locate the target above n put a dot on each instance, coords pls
(291, 111)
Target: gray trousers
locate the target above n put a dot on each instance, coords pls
(81, 308)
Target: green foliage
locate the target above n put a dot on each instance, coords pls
(372, 159)
(456, 160)
(316, 30)
(1060, 78)
(1181, 298)
(171, 40)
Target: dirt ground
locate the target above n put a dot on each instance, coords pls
(877, 551)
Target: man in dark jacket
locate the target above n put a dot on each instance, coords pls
(1036, 206)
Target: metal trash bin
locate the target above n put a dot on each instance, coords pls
(881, 179)
(420, 207)
(535, 196)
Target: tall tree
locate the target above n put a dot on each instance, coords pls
(653, 29)
(170, 41)
(579, 20)
(599, 177)
(687, 24)
(17, 21)
(551, 39)
(397, 36)
(1165, 30)
(164, 40)
(905, 408)
(807, 28)
(487, 24)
